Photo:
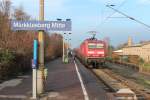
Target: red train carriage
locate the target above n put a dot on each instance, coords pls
(92, 52)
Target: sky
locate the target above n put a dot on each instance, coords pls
(93, 15)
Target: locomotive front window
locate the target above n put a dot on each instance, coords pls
(93, 46)
(100, 45)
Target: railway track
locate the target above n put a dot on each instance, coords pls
(116, 82)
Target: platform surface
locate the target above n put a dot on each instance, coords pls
(70, 81)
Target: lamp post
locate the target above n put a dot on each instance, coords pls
(63, 55)
(63, 49)
(69, 38)
(68, 45)
(68, 48)
(58, 19)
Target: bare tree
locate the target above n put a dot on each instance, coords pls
(5, 6)
(19, 14)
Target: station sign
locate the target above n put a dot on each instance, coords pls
(41, 25)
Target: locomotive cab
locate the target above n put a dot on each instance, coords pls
(92, 52)
(95, 53)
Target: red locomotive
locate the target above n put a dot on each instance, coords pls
(92, 52)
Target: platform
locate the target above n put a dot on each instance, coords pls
(70, 81)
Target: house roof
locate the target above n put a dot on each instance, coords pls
(118, 51)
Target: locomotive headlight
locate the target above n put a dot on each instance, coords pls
(90, 52)
(100, 52)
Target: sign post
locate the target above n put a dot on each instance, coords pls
(40, 26)
(34, 69)
(40, 71)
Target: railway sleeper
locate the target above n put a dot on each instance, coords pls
(120, 91)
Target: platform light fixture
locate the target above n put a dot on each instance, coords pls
(63, 56)
(68, 19)
(58, 19)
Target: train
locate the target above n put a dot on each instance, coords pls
(92, 52)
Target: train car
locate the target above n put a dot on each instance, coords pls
(92, 52)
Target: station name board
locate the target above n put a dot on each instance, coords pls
(41, 25)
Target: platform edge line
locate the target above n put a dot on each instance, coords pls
(86, 97)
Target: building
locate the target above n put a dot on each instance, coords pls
(129, 41)
(118, 52)
(142, 50)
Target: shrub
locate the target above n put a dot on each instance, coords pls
(6, 56)
(141, 61)
(109, 58)
(125, 58)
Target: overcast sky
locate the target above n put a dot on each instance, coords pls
(87, 15)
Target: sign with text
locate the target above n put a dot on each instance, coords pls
(41, 25)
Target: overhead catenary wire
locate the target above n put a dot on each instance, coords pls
(127, 16)
(115, 12)
(103, 20)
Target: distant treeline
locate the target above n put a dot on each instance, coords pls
(16, 46)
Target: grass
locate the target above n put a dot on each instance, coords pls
(147, 81)
(143, 82)
(139, 80)
(147, 66)
(136, 78)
